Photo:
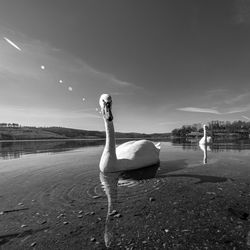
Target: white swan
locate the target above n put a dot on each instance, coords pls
(129, 155)
(205, 139)
(204, 148)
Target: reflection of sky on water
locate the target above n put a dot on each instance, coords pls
(169, 150)
(17, 149)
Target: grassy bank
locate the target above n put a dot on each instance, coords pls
(33, 133)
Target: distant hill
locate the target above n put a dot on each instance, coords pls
(33, 133)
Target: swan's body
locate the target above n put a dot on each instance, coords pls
(129, 155)
(205, 139)
(137, 154)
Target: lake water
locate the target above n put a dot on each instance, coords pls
(52, 193)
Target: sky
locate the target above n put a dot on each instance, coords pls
(166, 63)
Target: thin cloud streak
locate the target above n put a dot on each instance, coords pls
(105, 76)
(214, 111)
(199, 110)
(237, 98)
(247, 118)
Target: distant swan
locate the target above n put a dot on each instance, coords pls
(129, 155)
(205, 139)
(204, 148)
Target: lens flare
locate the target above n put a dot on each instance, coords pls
(70, 88)
(12, 44)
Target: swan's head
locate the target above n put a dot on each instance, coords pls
(105, 103)
(205, 126)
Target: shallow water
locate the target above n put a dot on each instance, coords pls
(60, 180)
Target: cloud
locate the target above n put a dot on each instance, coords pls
(247, 118)
(199, 110)
(241, 109)
(238, 98)
(228, 111)
(106, 77)
(226, 96)
(224, 101)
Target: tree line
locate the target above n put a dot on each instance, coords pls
(214, 127)
(9, 125)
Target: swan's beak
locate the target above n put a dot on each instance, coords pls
(107, 111)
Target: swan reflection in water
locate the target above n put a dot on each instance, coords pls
(204, 148)
(110, 183)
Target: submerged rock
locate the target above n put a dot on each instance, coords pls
(33, 244)
(60, 215)
(151, 199)
(238, 213)
(113, 212)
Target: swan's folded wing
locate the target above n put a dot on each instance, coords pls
(137, 149)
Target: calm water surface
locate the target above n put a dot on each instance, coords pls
(61, 176)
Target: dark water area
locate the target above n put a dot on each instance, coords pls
(16, 149)
(197, 197)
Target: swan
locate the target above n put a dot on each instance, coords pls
(205, 139)
(129, 155)
(204, 148)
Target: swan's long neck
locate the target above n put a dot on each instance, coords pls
(110, 138)
(205, 133)
(108, 159)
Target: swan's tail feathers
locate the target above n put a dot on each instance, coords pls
(158, 145)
